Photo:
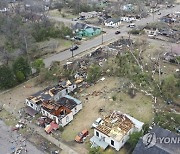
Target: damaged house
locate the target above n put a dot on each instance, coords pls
(60, 114)
(51, 93)
(61, 111)
(114, 130)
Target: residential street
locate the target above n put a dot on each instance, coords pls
(108, 36)
(11, 141)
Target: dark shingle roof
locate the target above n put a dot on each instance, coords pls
(158, 148)
(79, 26)
(114, 20)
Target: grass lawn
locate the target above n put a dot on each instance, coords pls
(62, 14)
(52, 46)
(135, 107)
(8, 118)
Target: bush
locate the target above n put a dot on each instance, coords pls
(94, 73)
(42, 33)
(20, 76)
(38, 64)
(167, 120)
(134, 138)
(61, 129)
(114, 97)
(136, 32)
(21, 65)
(7, 78)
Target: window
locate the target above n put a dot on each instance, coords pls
(31, 105)
(97, 134)
(67, 119)
(75, 109)
(112, 142)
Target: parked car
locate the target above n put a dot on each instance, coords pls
(77, 38)
(81, 136)
(117, 32)
(131, 25)
(159, 13)
(74, 48)
(96, 123)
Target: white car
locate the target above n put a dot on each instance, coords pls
(131, 25)
(96, 123)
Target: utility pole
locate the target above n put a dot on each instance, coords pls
(153, 14)
(102, 33)
(72, 51)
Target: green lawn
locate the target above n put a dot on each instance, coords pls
(8, 118)
(52, 46)
(62, 14)
(135, 107)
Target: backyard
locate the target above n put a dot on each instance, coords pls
(100, 97)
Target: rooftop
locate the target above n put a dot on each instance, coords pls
(67, 102)
(115, 125)
(55, 109)
(159, 148)
(47, 94)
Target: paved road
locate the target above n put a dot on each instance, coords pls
(65, 149)
(110, 35)
(10, 141)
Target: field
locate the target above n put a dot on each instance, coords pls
(100, 96)
(63, 14)
(14, 99)
(52, 46)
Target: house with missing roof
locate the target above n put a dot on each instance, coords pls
(61, 111)
(58, 113)
(51, 93)
(114, 130)
(112, 22)
(166, 142)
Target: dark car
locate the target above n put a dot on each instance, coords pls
(77, 38)
(117, 32)
(74, 48)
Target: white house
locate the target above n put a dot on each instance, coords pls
(60, 114)
(61, 111)
(114, 130)
(50, 93)
(128, 19)
(111, 22)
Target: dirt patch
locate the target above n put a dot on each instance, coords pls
(14, 99)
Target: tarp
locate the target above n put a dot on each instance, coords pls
(51, 126)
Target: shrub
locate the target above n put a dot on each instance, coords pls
(7, 78)
(38, 64)
(20, 76)
(94, 73)
(21, 65)
(114, 97)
